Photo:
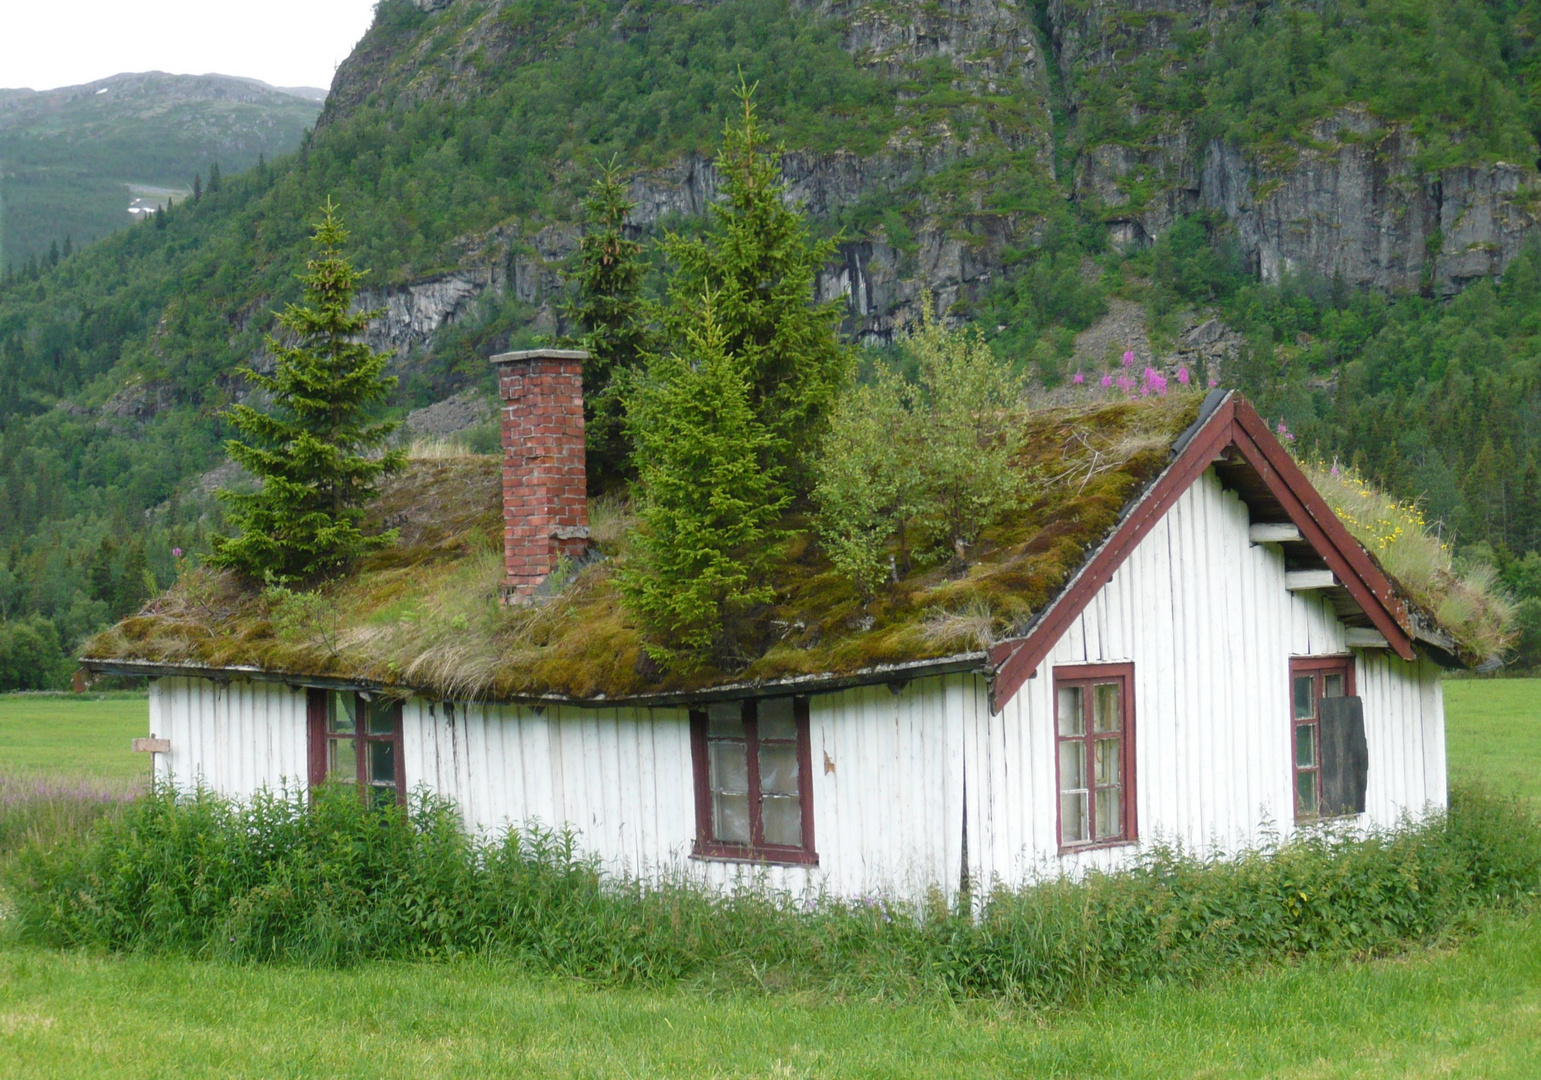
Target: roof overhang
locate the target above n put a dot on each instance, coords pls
(1230, 436)
(891, 675)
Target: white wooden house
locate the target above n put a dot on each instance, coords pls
(1224, 663)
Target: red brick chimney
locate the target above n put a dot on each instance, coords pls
(545, 501)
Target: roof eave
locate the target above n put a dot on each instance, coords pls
(822, 683)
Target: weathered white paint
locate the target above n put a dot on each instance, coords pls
(887, 782)
(234, 737)
(1271, 533)
(1301, 580)
(1207, 620)
(1204, 614)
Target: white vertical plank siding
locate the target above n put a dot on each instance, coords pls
(236, 738)
(1210, 630)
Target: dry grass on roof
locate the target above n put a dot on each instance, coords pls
(426, 613)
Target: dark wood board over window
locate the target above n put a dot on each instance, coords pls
(1094, 755)
(354, 738)
(1313, 678)
(754, 781)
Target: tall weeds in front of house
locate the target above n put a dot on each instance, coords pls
(37, 810)
(336, 883)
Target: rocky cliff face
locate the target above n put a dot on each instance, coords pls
(1352, 203)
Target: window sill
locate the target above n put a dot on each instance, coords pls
(759, 857)
(1103, 846)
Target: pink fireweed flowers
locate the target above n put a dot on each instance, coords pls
(1154, 383)
(1182, 375)
(1107, 382)
(1078, 379)
(1283, 432)
(1128, 357)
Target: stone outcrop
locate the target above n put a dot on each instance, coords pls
(1352, 203)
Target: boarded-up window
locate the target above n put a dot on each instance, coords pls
(356, 739)
(1316, 684)
(1094, 754)
(753, 780)
(1345, 755)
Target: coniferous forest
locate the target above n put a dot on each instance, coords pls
(1052, 164)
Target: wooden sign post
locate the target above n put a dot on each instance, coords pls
(152, 746)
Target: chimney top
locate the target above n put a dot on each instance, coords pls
(540, 354)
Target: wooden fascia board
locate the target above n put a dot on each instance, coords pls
(1017, 659)
(1321, 529)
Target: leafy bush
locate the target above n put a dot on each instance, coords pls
(30, 655)
(339, 882)
(929, 464)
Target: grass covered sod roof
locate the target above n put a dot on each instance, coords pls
(426, 614)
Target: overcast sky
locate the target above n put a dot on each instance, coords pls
(50, 43)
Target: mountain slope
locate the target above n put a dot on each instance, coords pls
(1318, 175)
(69, 157)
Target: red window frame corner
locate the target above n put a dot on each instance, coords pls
(1084, 673)
(708, 848)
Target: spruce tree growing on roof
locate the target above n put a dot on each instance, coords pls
(761, 263)
(316, 453)
(710, 502)
(612, 320)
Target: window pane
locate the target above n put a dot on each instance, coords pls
(725, 718)
(1305, 746)
(730, 766)
(781, 820)
(382, 717)
(1305, 696)
(1072, 818)
(1072, 721)
(1072, 765)
(730, 818)
(776, 720)
(1107, 714)
(342, 705)
(1332, 685)
(1305, 793)
(382, 763)
(778, 769)
(1110, 813)
(1106, 765)
(341, 763)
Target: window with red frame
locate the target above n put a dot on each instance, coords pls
(754, 797)
(356, 739)
(1312, 679)
(1094, 735)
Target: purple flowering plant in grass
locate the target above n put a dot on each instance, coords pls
(1078, 379)
(1128, 357)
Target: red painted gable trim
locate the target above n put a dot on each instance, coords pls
(1233, 424)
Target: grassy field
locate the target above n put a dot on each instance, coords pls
(65, 736)
(1465, 1011)
(1493, 733)
(1468, 1012)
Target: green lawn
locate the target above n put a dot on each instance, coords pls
(63, 735)
(1493, 733)
(1467, 1011)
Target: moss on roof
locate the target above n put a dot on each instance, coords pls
(426, 613)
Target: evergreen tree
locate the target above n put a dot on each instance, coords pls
(53, 253)
(197, 188)
(313, 452)
(709, 504)
(69, 245)
(213, 187)
(612, 322)
(760, 262)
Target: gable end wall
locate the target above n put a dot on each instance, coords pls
(1204, 616)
